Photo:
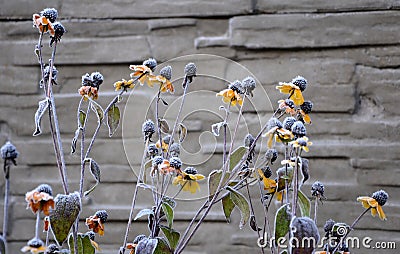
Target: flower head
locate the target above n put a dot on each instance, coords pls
(35, 246)
(90, 85)
(375, 203)
(305, 110)
(248, 85)
(248, 140)
(132, 246)
(317, 189)
(288, 122)
(175, 150)
(300, 82)
(188, 180)
(230, 96)
(59, 31)
(271, 155)
(275, 129)
(302, 142)
(298, 129)
(293, 90)
(190, 72)
(40, 199)
(236, 86)
(53, 249)
(148, 129)
(43, 21)
(50, 13)
(124, 84)
(165, 143)
(152, 150)
(269, 184)
(9, 152)
(150, 63)
(144, 72)
(95, 222)
(163, 80)
(287, 105)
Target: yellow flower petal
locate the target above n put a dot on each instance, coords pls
(381, 214)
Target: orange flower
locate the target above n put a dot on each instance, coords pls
(230, 96)
(269, 184)
(95, 222)
(288, 106)
(165, 167)
(43, 24)
(165, 84)
(375, 204)
(123, 84)
(89, 91)
(39, 201)
(293, 91)
(143, 73)
(280, 134)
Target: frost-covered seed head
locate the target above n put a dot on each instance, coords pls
(288, 122)
(300, 82)
(274, 122)
(45, 188)
(175, 162)
(249, 84)
(236, 86)
(298, 129)
(306, 107)
(381, 197)
(9, 151)
(102, 215)
(166, 72)
(151, 63)
(50, 13)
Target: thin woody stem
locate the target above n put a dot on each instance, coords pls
(37, 225)
(252, 214)
(316, 210)
(295, 183)
(6, 197)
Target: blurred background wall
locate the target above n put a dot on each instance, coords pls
(349, 51)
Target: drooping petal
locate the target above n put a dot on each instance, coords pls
(381, 214)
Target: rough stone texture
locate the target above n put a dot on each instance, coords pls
(349, 51)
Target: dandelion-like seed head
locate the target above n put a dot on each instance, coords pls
(9, 151)
(298, 129)
(45, 188)
(288, 122)
(50, 13)
(248, 140)
(317, 189)
(151, 63)
(248, 85)
(175, 162)
(300, 82)
(274, 122)
(102, 215)
(381, 197)
(236, 86)
(306, 107)
(166, 72)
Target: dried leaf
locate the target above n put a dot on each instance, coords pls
(113, 117)
(43, 105)
(253, 224)
(215, 128)
(182, 132)
(74, 140)
(95, 170)
(304, 170)
(67, 208)
(164, 102)
(164, 125)
(98, 109)
(240, 202)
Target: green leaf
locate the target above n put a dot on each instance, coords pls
(170, 201)
(240, 202)
(98, 109)
(162, 246)
(227, 206)
(169, 214)
(2, 245)
(95, 171)
(144, 212)
(82, 118)
(146, 246)
(213, 181)
(236, 156)
(67, 208)
(282, 222)
(43, 105)
(172, 236)
(113, 117)
(84, 244)
(304, 204)
(182, 132)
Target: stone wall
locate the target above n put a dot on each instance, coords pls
(348, 50)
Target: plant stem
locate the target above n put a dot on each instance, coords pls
(315, 210)
(37, 225)
(286, 172)
(6, 197)
(295, 183)
(252, 214)
(83, 156)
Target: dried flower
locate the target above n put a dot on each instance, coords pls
(236, 86)
(293, 90)
(230, 96)
(143, 73)
(95, 222)
(305, 110)
(317, 189)
(298, 129)
(190, 71)
(287, 105)
(175, 162)
(304, 228)
(188, 180)
(150, 63)
(274, 122)
(124, 84)
(248, 140)
(90, 85)
(43, 24)
(248, 85)
(175, 150)
(59, 31)
(271, 155)
(132, 246)
(9, 152)
(329, 225)
(164, 80)
(302, 142)
(50, 13)
(269, 184)
(300, 82)
(288, 122)
(152, 150)
(40, 199)
(375, 203)
(35, 246)
(148, 129)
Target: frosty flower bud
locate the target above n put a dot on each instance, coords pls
(166, 72)
(298, 129)
(274, 122)
(248, 140)
(97, 78)
(300, 82)
(45, 188)
(191, 171)
(236, 86)
(50, 13)
(152, 150)
(306, 107)
(190, 70)
(317, 189)
(151, 63)
(175, 150)
(157, 161)
(288, 122)
(102, 215)
(87, 80)
(248, 85)
(139, 238)
(329, 225)
(267, 171)
(52, 249)
(148, 129)
(271, 155)
(8, 151)
(35, 243)
(175, 162)
(381, 197)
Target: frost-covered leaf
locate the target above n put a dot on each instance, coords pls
(182, 132)
(43, 105)
(95, 171)
(113, 117)
(240, 202)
